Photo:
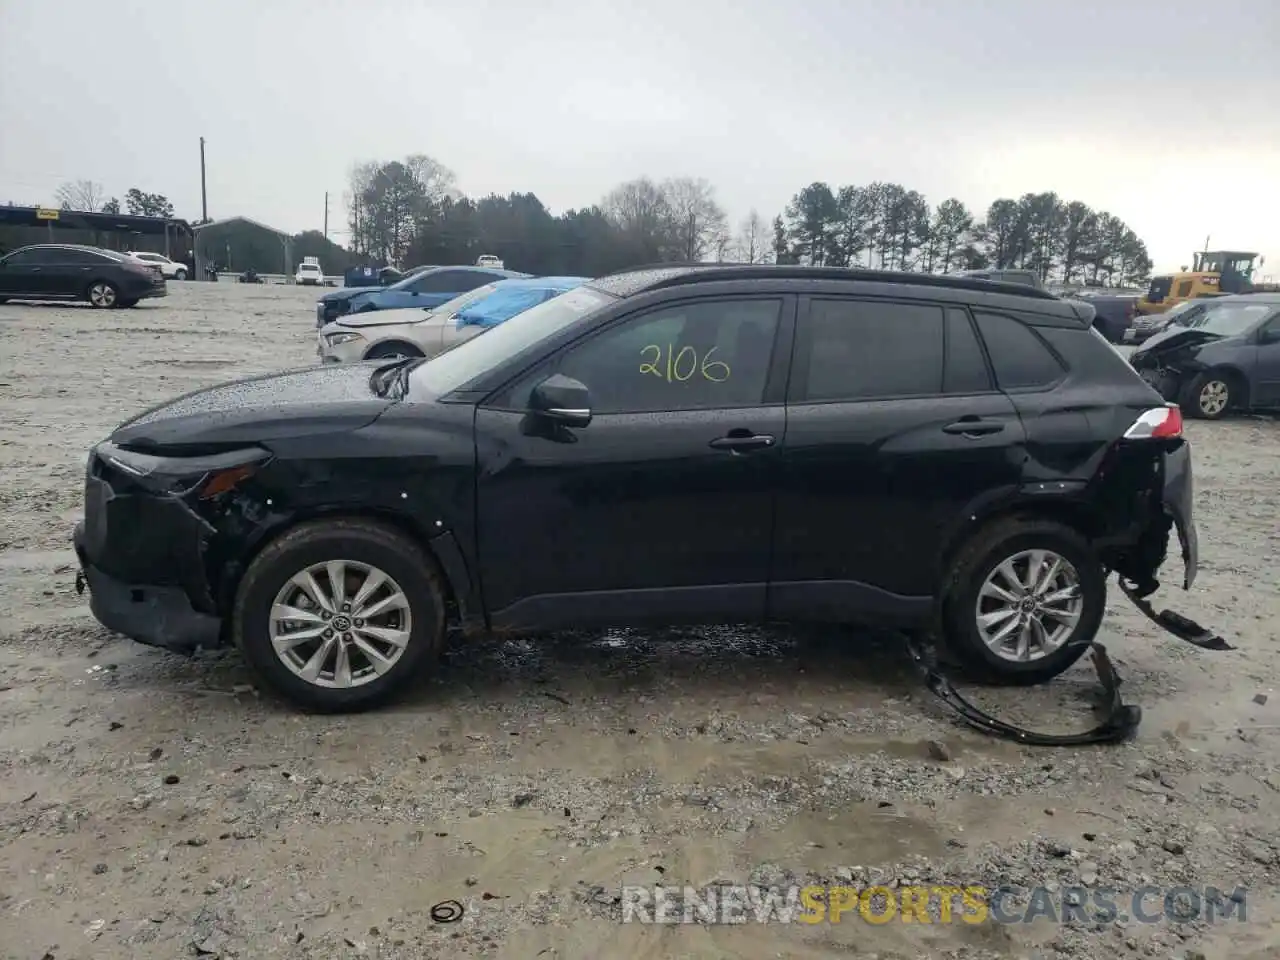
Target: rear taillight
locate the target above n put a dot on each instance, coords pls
(1158, 423)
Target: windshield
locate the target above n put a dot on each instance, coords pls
(450, 307)
(1228, 319)
(449, 370)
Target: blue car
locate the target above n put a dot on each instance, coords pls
(417, 332)
(427, 289)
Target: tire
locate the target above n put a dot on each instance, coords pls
(979, 559)
(362, 546)
(394, 348)
(1209, 396)
(102, 294)
(180, 275)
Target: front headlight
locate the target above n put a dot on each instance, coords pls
(337, 339)
(211, 474)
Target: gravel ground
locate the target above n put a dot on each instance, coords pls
(156, 806)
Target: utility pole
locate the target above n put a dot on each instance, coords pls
(204, 194)
(326, 214)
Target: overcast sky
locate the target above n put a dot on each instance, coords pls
(1165, 112)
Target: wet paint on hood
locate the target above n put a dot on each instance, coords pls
(328, 399)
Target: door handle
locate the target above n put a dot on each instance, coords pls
(739, 442)
(974, 427)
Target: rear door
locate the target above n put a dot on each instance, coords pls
(895, 431)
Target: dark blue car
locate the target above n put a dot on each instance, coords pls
(424, 288)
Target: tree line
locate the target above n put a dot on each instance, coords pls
(886, 225)
(409, 211)
(85, 196)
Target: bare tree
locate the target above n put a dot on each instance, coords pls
(82, 195)
(697, 220)
(640, 211)
(437, 180)
(754, 243)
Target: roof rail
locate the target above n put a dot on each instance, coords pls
(687, 273)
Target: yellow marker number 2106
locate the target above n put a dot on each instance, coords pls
(677, 366)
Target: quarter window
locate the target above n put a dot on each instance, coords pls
(966, 368)
(1020, 359)
(863, 350)
(694, 356)
(24, 258)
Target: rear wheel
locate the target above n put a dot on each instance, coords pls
(1210, 396)
(1023, 601)
(102, 295)
(339, 615)
(180, 274)
(392, 351)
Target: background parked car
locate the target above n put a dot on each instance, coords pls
(171, 270)
(335, 304)
(1225, 359)
(1113, 313)
(424, 333)
(430, 288)
(1146, 326)
(64, 271)
(309, 273)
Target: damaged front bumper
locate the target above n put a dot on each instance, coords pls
(156, 615)
(141, 556)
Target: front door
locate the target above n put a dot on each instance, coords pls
(1266, 371)
(660, 509)
(894, 430)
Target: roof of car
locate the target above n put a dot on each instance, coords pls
(1260, 297)
(541, 283)
(630, 282)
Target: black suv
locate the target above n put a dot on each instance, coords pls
(677, 444)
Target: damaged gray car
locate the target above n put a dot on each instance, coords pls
(1225, 360)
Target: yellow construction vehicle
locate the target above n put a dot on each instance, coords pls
(1212, 274)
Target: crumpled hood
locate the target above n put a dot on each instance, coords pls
(382, 318)
(1183, 339)
(333, 398)
(346, 293)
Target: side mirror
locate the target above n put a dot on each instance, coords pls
(1269, 334)
(562, 400)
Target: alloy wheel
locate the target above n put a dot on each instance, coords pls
(1029, 605)
(1213, 398)
(340, 623)
(102, 295)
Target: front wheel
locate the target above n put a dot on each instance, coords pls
(339, 615)
(1023, 601)
(1210, 396)
(102, 295)
(180, 275)
(393, 351)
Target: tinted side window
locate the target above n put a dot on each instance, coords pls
(1019, 358)
(862, 350)
(966, 368)
(23, 258)
(452, 281)
(82, 258)
(693, 356)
